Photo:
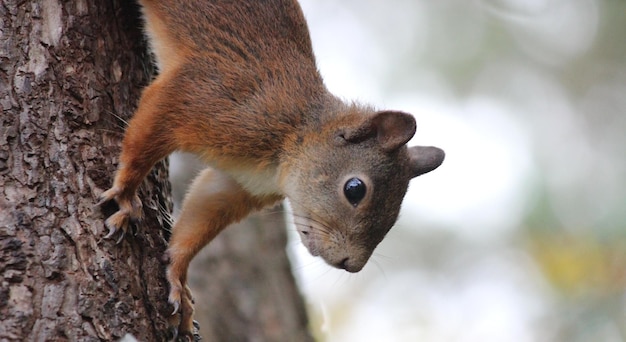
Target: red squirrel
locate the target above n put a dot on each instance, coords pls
(238, 86)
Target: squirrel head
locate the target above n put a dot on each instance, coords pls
(346, 185)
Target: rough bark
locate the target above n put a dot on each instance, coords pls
(70, 75)
(243, 287)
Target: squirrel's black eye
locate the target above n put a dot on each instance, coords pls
(354, 190)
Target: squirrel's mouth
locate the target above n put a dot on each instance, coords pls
(338, 255)
(328, 242)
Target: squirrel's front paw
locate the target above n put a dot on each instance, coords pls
(129, 211)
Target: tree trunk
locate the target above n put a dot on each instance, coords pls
(248, 293)
(70, 75)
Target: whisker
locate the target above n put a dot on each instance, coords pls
(309, 264)
(343, 279)
(294, 243)
(315, 231)
(380, 255)
(167, 217)
(327, 269)
(322, 226)
(298, 203)
(306, 218)
(119, 118)
(108, 131)
(382, 270)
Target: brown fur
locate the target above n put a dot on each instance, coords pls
(238, 86)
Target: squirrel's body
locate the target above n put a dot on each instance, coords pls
(239, 87)
(264, 89)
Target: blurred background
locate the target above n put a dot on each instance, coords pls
(521, 234)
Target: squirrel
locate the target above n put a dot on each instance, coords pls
(238, 86)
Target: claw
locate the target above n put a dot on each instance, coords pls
(176, 305)
(107, 196)
(102, 200)
(111, 232)
(128, 213)
(119, 239)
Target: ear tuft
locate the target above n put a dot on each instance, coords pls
(425, 159)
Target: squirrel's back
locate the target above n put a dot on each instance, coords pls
(245, 33)
(235, 69)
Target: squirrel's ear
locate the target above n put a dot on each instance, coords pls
(392, 130)
(425, 159)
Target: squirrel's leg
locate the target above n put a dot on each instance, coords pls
(214, 201)
(146, 141)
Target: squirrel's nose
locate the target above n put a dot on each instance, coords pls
(347, 264)
(343, 263)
